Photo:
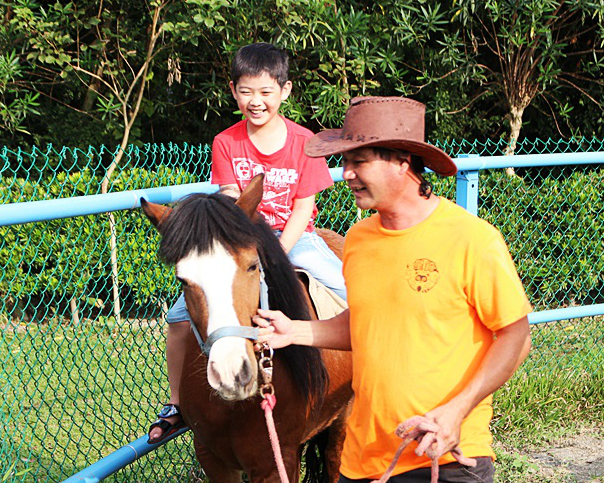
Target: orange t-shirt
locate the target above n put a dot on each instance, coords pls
(424, 303)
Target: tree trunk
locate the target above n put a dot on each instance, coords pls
(129, 116)
(515, 126)
(112, 230)
(75, 313)
(91, 92)
(117, 306)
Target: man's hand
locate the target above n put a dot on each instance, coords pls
(275, 328)
(279, 331)
(448, 418)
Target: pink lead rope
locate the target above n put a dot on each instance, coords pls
(268, 404)
(269, 400)
(426, 433)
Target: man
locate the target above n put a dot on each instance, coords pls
(437, 317)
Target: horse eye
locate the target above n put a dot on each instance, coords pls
(253, 267)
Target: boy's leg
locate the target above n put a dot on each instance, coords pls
(175, 356)
(312, 254)
(179, 326)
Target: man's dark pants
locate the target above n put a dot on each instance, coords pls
(451, 473)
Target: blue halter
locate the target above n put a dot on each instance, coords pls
(250, 333)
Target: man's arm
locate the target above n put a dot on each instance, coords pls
(505, 355)
(302, 209)
(280, 331)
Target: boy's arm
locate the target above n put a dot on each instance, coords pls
(298, 221)
(230, 190)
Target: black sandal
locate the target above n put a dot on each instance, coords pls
(167, 427)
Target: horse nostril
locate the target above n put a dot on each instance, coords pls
(245, 374)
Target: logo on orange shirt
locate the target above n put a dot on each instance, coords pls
(423, 275)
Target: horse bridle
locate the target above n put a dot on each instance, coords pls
(250, 333)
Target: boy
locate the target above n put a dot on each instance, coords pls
(264, 142)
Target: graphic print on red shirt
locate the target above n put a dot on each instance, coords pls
(288, 173)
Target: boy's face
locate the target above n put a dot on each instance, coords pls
(259, 97)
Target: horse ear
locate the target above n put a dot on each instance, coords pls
(252, 196)
(156, 213)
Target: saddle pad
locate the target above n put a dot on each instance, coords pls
(327, 303)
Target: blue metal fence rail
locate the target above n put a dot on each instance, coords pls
(119, 459)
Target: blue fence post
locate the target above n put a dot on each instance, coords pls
(467, 187)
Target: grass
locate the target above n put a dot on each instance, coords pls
(81, 393)
(559, 389)
(72, 395)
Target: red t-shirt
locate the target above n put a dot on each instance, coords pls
(288, 173)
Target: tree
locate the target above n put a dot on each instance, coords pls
(529, 53)
(471, 62)
(107, 58)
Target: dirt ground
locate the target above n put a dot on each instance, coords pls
(577, 458)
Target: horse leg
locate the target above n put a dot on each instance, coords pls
(335, 442)
(214, 467)
(267, 472)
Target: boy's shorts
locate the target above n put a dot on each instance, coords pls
(313, 255)
(178, 312)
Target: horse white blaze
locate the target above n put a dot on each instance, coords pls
(228, 364)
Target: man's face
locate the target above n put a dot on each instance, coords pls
(376, 183)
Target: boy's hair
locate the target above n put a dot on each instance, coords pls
(255, 59)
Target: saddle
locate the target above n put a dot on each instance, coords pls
(325, 301)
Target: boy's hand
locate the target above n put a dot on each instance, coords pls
(231, 190)
(275, 328)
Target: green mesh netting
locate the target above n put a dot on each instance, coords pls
(79, 380)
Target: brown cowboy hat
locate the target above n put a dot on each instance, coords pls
(389, 122)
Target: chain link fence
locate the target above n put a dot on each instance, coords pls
(79, 380)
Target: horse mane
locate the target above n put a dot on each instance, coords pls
(199, 221)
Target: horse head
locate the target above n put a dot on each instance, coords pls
(212, 243)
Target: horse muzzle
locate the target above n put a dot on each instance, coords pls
(232, 369)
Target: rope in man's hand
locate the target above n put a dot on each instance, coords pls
(426, 433)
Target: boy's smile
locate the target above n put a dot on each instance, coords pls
(259, 98)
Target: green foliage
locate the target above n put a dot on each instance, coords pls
(15, 104)
(549, 217)
(43, 279)
(531, 53)
(550, 221)
(463, 59)
(337, 210)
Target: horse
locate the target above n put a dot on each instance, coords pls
(220, 250)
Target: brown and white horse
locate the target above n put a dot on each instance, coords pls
(220, 249)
